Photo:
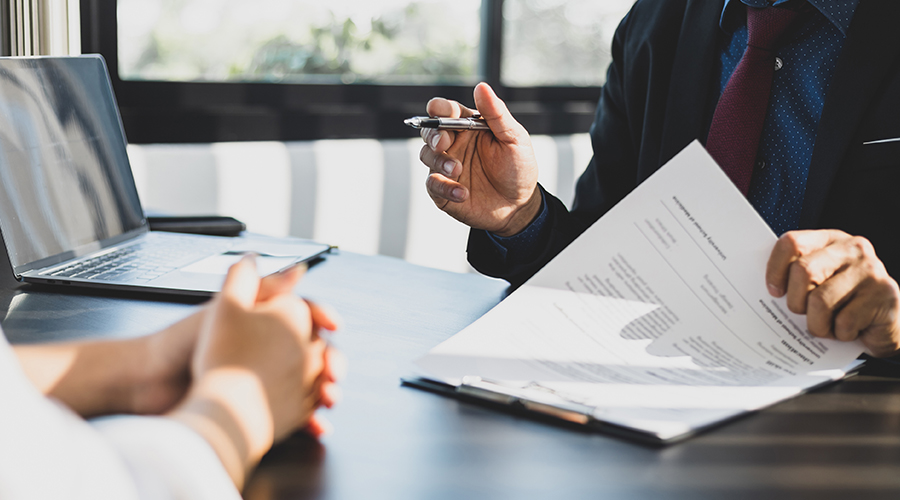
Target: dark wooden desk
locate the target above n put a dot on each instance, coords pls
(393, 442)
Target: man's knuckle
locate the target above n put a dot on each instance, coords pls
(791, 242)
(863, 247)
(864, 253)
(892, 346)
(885, 289)
(818, 301)
(804, 269)
(891, 289)
(845, 324)
(426, 156)
(435, 188)
(875, 270)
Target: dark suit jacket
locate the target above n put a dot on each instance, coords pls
(658, 99)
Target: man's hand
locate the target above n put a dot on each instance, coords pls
(840, 284)
(485, 180)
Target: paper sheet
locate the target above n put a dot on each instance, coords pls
(657, 316)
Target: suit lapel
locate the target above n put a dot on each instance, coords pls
(687, 105)
(869, 52)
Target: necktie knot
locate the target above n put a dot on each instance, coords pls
(766, 25)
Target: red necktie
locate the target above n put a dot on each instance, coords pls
(737, 123)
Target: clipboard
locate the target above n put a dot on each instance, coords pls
(478, 391)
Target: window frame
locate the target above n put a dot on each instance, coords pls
(201, 112)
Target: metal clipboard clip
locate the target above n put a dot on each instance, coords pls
(477, 387)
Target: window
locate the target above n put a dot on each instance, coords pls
(303, 42)
(224, 70)
(558, 42)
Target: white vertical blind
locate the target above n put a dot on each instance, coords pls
(44, 27)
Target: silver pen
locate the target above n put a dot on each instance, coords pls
(474, 122)
(882, 141)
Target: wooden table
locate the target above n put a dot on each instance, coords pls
(394, 442)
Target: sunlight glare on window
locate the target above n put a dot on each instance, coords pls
(558, 42)
(299, 41)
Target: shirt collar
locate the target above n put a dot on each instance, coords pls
(836, 11)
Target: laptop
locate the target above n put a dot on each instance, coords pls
(69, 209)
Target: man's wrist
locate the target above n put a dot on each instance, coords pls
(523, 216)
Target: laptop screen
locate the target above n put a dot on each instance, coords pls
(65, 182)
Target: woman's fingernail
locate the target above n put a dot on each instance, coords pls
(435, 140)
(448, 167)
(774, 290)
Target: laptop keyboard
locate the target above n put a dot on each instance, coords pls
(141, 262)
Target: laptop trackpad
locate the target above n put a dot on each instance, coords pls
(219, 264)
(207, 275)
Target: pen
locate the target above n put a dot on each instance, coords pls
(882, 141)
(475, 122)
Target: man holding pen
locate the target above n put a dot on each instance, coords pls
(812, 151)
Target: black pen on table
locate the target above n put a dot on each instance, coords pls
(474, 122)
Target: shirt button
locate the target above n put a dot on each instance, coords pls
(760, 164)
(778, 63)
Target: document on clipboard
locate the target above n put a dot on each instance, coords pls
(655, 323)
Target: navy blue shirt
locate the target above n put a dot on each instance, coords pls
(807, 61)
(806, 65)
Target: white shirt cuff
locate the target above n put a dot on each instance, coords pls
(167, 459)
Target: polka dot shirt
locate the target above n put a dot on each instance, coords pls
(804, 67)
(807, 63)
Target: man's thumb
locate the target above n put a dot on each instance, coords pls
(494, 111)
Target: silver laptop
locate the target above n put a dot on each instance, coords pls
(69, 210)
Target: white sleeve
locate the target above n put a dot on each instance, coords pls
(46, 451)
(167, 459)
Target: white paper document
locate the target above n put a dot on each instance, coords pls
(656, 319)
